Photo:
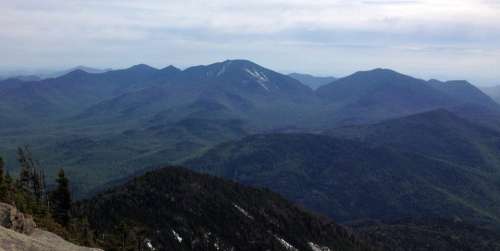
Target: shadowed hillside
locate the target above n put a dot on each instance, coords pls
(348, 180)
(188, 211)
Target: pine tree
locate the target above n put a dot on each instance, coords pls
(36, 185)
(31, 176)
(3, 186)
(26, 168)
(2, 170)
(9, 187)
(61, 200)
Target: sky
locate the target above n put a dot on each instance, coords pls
(444, 39)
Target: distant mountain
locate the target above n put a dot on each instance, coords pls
(312, 81)
(440, 134)
(379, 94)
(493, 92)
(243, 75)
(463, 91)
(80, 67)
(348, 180)
(40, 75)
(379, 83)
(188, 211)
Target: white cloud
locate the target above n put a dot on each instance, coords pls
(357, 33)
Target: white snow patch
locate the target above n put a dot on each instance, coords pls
(177, 236)
(285, 244)
(223, 69)
(149, 244)
(260, 77)
(316, 247)
(243, 211)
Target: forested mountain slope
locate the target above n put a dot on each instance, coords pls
(348, 180)
(176, 209)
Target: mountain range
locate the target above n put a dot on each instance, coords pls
(376, 145)
(109, 124)
(242, 87)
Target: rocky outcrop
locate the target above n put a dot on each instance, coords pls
(12, 219)
(39, 240)
(18, 232)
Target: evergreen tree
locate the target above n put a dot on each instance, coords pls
(9, 188)
(36, 185)
(2, 169)
(3, 186)
(61, 200)
(31, 176)
(26, 168)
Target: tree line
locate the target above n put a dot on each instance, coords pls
(29, 194)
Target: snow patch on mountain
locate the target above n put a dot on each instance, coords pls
(177, 236)
(260, 77)
(223, 68)
(149, 245)
(243, 211)
(316, 247)
(285, 244)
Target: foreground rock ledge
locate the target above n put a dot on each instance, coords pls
(39, 240)
(19, 232)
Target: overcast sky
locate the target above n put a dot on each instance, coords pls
(447, 39)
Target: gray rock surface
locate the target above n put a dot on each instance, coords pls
(39, 240)
(12, 219)
(18, 232)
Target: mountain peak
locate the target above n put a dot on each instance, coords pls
(85, 68)
(380, 72)
(244, 76)
(171, 70)
(367, 80)
(381, 76)
(77, 72)
(233, 66)
(171, 67)
(239, 62)
(143, 67)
